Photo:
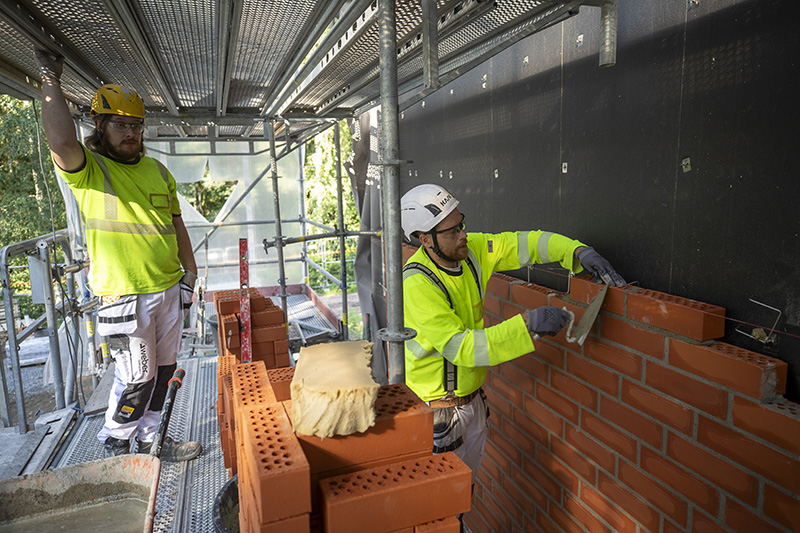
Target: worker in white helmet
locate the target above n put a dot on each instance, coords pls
(142, 263)
(443, 291)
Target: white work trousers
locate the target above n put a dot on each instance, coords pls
(145, 357)
(463, 430)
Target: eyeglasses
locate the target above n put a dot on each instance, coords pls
(453, 231)
(123, 127)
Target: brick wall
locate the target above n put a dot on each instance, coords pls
(651, 425)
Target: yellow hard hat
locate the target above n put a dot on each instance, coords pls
(117, 100)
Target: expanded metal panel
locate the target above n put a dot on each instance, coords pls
(89, 27)
(358, 64)
(478, 39)
(187, 56)
(268, 32)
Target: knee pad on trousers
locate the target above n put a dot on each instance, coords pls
(162, 384)
(133, 401)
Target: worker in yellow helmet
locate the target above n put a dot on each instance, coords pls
(443, 292)
(142, 263)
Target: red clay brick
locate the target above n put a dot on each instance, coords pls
(505, 445)
(497, 404)
(444, 525)
(282, 360)
(498, 285)
(556, 468)
(518, 378)
(781, 507)
(625, 362)
(542, 415)
(281, 381)
(492, 305)
(590, 448)
(507, 390)
(721, 472)
(566, 408)
(632, 422)
(607, 510)
(534, 367)
(609, 435)
(542, 479)
(705, 524)
(269, 333)
(571, 388)
(388, 498)
(499, 459)
(531, 427)
(740, 518)
(778, 423)
(632, 336)
(594, 375)
(529, 295)
(658, 406)
(280, 475)
(772, 464)
(525, 444)
(567, 521)
(696, 320)
(511, 310)
(747, 372)
(701, 395)
(408, 251)
(519, 483)
(549, 353)
(583, 289)
(629, 501)
(403, 425)
(686, 484)
(576, 508)
(269, 316)
(574, 460)
(653, 493)
(507, 505)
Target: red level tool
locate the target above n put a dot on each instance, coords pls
(244, 302)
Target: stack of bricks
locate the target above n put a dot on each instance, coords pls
(382, 480)
(268, 331)
(651, 425)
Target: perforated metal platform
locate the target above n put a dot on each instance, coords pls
(186, 491)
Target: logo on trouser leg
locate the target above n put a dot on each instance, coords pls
(143, 360)
(126, 411)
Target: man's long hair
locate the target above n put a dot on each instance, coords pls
(94, 141)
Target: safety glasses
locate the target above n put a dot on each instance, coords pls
(123, 127)
(453, 231)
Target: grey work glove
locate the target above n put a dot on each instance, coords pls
(547, 320)
(49, 66)
(599, 267)
(187, 290)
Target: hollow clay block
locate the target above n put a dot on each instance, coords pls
(332, 390)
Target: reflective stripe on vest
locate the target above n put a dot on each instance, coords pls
(481, 345)
(110, 222)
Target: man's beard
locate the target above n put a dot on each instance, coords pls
(129, 155)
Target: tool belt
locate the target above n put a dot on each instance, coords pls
(453, 401)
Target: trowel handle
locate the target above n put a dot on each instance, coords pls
(166, 411)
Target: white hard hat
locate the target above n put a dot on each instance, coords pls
(424, 206)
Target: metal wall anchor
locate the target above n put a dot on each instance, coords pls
(758, 334)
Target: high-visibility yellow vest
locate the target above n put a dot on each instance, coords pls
(127, 212)
(448, 315)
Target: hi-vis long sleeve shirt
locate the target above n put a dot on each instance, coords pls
(448, 315)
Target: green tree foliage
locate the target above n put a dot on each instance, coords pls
(24, 201)
(207, 196)
(26, 192)
(320, 172)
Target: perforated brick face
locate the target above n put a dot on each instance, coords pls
(389, 498)
(278, 471)
(403, 426)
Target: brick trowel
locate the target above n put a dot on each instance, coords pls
(577, 334)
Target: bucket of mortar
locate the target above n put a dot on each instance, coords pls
(116, 494)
